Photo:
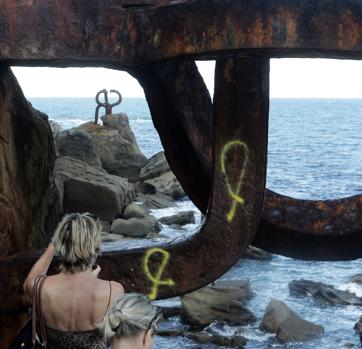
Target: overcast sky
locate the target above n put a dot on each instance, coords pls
(303, 78)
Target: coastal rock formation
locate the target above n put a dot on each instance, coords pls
(28, 209)
(134, 211)
(180, 218)
(323, 293)
(135, 227)
(155, 201)
(111, 146)
(83, 188)
(166, 184)
(288, 325)
(253, 252)
(27, 155)
(155, 166)
(357, 279)
(222, 301)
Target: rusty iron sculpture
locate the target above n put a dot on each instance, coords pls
(106, 105)
(217, 150)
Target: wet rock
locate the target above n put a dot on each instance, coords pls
(166, 184)
(83, 188)
(357, 279)
(134, 211)
(155, 166)
(111, 237)
(179, 219)
(217, 302)
(156, 201)
(323, 293)
(238, 289)
(253, 252)
(170, 328)
(135, 227)
(234, 341)
(170, 311)
(288, 325)
(358, 328)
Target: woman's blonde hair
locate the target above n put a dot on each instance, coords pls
(131, 314)
(77, 241)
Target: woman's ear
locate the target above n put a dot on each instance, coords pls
(148, 339)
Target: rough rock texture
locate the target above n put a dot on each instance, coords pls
(357, 279)
(166, 184)
(78, 144)
(323, 293)
(288, 325)
(180, 218)
(134, 211)
(83, 188)
(253, 252)
(234, 341)
(155, 166)
(358, 328)
(27, 155)
(135, 227)
(155, 201)
(112, 146)
(221, 302)
(27, 193)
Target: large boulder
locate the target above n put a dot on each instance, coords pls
(223, 302)
(134, 211)
(166, 184)
(155, 201)
(155, 167)
(135, 227)
(28, 209)
(288, 325)
(78, 144)
(181, 218)
(83, 188)
(323, 293)
(111, 146)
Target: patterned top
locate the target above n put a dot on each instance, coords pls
(57, 339)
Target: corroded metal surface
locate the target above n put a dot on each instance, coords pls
(119, 32)
(235, 206)
(106, 105)
(288, 226)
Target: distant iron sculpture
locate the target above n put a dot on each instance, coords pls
(106, 105)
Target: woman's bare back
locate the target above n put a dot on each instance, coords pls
(77, 302)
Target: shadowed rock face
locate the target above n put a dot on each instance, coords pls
(26, 163)
(27, 194)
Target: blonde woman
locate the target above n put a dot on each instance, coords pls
(131, 322)
(74, 300)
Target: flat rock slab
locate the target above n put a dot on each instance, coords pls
(288, 325)
(216, 302)
(181, 218)
(323, 293)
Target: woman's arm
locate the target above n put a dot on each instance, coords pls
(40, 267)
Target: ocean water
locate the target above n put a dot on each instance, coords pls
(314, 152)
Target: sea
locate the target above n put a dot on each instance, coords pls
(314, 152)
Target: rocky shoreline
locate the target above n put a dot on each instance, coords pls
(100, 169)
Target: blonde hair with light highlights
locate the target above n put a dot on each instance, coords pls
(77, 242)
(131, 314)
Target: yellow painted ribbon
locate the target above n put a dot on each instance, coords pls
(156, 280)
(234, 195)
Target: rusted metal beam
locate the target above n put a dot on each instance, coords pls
(305, 229)
(234, 210)
(124, 33)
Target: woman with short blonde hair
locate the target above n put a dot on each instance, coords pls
(74, 300)
(131, 322)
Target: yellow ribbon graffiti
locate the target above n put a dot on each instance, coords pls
(156, 280)
(234, 195)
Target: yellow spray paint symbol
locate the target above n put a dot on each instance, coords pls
(234, 195)
(156, 280)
